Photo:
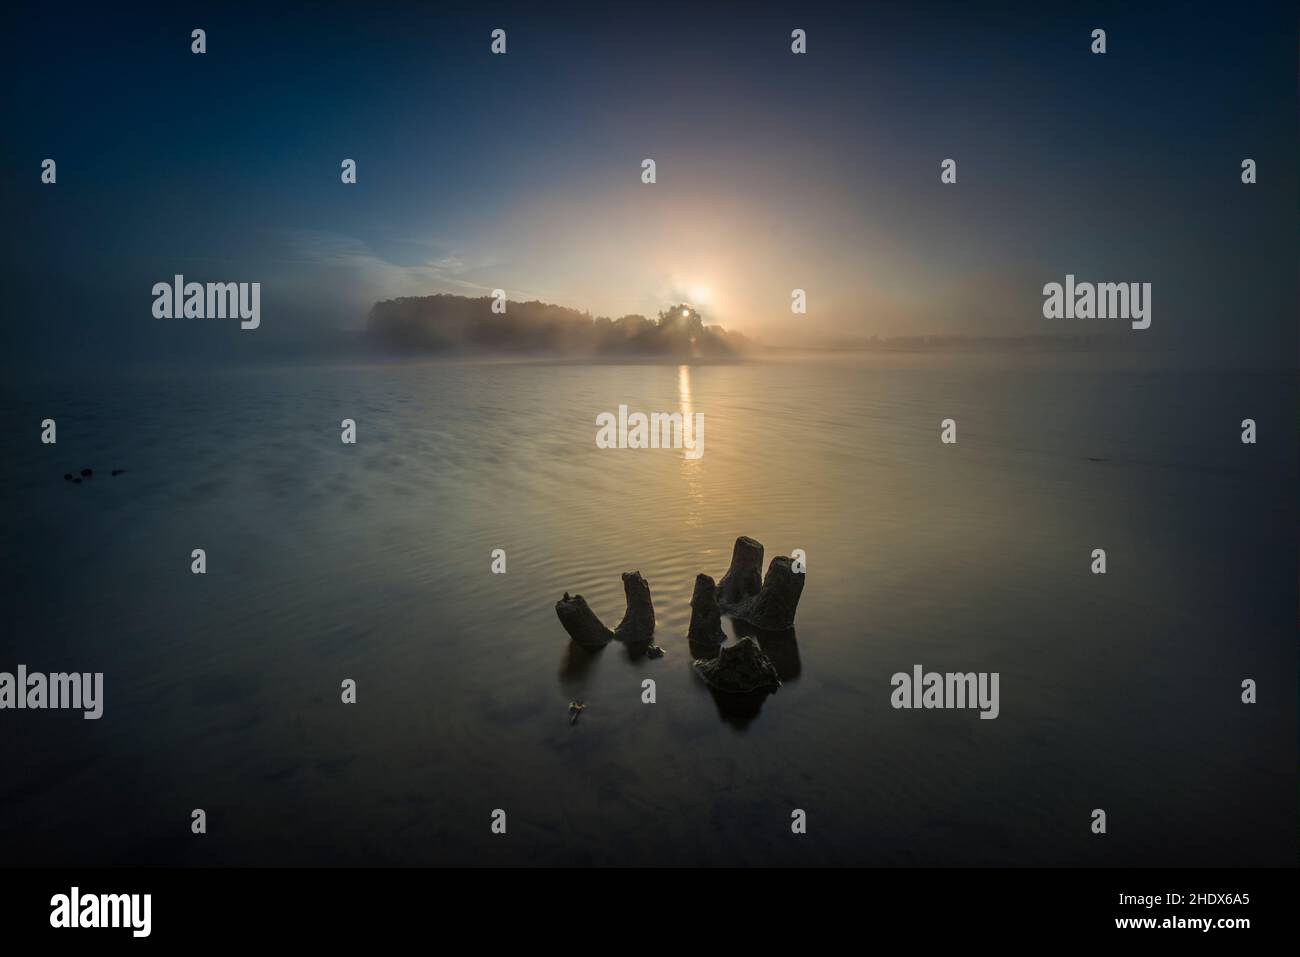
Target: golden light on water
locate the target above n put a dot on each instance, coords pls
(691, 468)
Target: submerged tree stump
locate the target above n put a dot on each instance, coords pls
(586, 628)
(706, 618)
(744, 577)
(638, 624)
(581, 622)
(781, 646)
(766, 604)
(773, 608)
(741, 668)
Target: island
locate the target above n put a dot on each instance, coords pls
(460, 325)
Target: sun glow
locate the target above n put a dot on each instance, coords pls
(699, 293)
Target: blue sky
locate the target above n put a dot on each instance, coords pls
(774, 171)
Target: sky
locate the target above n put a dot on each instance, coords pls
(774, 171)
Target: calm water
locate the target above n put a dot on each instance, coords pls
(372, 562)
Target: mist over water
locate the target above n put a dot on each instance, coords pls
(372, 562)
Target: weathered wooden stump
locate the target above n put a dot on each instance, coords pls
(638, 624)
(741, 668)
(581, 622)
(584, 627)
(773, 608)
(781, 646)
(706, 618)
(744, 577)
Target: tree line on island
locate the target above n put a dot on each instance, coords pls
(460, 325)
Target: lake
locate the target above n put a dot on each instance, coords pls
(372, 562)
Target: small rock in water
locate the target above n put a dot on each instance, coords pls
(654, 651)
(87, 473)
(117, 471)
(67, 476)
(575, 708)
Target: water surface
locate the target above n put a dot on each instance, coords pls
(373, 562)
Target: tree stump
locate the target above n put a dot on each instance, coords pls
(706, 618)
(638, 624)
(773, 608)
(584, 627)
(581, 622)
(744, 577)
(741, 668)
